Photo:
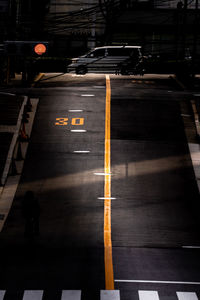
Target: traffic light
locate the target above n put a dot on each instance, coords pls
(26, 48)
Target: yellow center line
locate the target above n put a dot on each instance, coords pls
(109, 277)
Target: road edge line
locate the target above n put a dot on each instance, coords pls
(37, 78)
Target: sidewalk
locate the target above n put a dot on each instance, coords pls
(16, 120)
(11, 114)
(17, 82)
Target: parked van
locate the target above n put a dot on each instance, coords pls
(107, 59)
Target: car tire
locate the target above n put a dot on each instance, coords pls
(81, 70)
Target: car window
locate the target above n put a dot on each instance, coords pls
(135, 53)
(97, 53)
(123, 51)
(120, 51)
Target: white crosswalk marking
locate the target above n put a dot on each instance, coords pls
(148, 295)
(186, 296)
(33, 295)
(104, 295)
(109, 295)
(71, 295)
(2, 293)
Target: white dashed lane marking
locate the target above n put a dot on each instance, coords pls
(78, 130)
(75, 110)
(82, 151)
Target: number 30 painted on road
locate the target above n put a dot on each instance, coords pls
(65, 121)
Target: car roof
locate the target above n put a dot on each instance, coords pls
(116, 47)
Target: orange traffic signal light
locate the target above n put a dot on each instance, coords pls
(40, 49)
(26, 48)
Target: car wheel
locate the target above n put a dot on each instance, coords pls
(81, 70)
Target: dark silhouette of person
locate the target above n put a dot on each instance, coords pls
(31, 214)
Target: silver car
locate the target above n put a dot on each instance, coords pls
(107, 59)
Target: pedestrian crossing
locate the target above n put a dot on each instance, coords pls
(153, 295)
(33, 295)
(104, 295)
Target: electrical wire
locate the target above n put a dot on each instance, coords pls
(82, 19)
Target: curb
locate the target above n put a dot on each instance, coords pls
(178, 82)
(7, 192)
(13, 143)
(37, 78)
(194, 147)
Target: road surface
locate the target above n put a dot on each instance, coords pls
(152, 195)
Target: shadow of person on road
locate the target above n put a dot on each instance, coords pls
(31, 214)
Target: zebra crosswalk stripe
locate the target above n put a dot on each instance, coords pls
(33, 295)
(71, 295)
(148, 295)
(186, 296)
(104, 295)
(109, 295)
(2, 293)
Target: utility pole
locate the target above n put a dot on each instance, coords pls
(92, 39)
(195, 39)
(184, 25)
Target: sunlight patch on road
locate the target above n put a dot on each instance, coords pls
(120, 171)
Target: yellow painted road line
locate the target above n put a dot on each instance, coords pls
(37, 78)
(109, 277)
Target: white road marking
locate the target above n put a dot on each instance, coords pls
(102, 174)
(186, 296)
(103, 198)
(191, 247)
(81, 151)
(99, 87)
(87, 95)
(4, 93)
(185, 115)
(71, 295)
(159, 281)
(104, 295)
(2, 293)
(75, 110)
(109, 295)
(78, 130)
(33, 295)
(148, 295)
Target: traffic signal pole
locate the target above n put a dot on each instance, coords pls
(24, 50)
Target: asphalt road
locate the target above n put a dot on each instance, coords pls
(155, 205)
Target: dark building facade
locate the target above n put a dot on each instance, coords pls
(164, 28)
(161, 26)
(7, 19)
(22, 19)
